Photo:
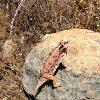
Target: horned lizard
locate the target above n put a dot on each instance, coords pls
(51, 64)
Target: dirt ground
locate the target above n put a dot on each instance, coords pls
(34, 20)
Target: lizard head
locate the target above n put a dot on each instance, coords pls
(63, 45)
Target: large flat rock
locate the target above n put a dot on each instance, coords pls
(80, 79)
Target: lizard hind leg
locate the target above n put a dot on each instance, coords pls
(56, 81)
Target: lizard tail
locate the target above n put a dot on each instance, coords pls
(39, 84)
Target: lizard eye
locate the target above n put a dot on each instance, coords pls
(66, 42)
(61, 47)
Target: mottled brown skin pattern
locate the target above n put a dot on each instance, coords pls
(51, 64)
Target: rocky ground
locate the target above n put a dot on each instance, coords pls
(34, 20)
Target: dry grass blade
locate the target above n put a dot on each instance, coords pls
(16, 12)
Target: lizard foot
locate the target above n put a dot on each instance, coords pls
(61, 89)
(57, 85)
(56, 82)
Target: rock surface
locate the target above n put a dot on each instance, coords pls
(80, 79)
